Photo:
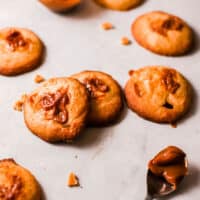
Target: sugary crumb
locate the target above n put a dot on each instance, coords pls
(125, 41)
(73, 180)
(18, 106)
(38, 78)
(107, 26)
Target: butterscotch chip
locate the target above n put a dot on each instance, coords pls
(20, 51)
(125, 41)
(119, 5)
(60, 5)
(105, 97)
(73, 180)
(163, 33)
(57, 109)
(107, 26)
(39, 79)
(17, 183)
(157, 93)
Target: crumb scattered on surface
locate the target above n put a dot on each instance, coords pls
(107, 26)
(18, 106)
(174, 125)
(39, 79)
(125, 41)
(73, 180)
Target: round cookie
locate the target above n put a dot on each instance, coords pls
(105, 96)
(159, 94)
(163, 33)
(20, 51)
(60, 5)
(119, 4)
(57, 110)
(17, 183)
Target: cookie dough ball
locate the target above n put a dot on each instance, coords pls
(60, 5)
(17, 183)
(157, 93)
(119, 4)
(105, 97)
(20, 51)
(57, 110)
(163, 33)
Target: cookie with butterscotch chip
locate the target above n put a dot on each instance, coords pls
(17, 183)
(119, 5)
(21, 50)
(57, 110)
(105, 97)
(159, 94)
(163, 33)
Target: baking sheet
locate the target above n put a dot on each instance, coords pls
(111, 162)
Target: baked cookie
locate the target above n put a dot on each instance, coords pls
(105, 96)
(17, 183)
(57, 110)
(162, 33)
(20, 51)
(60, 5)
(119, 5)
(158, 93)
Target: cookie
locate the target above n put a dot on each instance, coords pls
(60, 5)
(17, 183)
(159, 94)
(119, 5)
(20, 51)
(105, 97)
(163, 33)
(57, 110)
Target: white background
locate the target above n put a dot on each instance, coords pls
(111, 161)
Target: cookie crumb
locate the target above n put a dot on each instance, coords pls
(107, 26)
(73, 180)
(18, 106)
(125, 41)
(39, 79)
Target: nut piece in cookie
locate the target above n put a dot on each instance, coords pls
(119, 5)
(170, 164)
(163, 33)
(17, 183)
(157, 93)
(60, 5)
(57, 110)
(21, 50)
(105, 97)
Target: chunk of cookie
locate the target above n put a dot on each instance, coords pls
(163, 33)
(60, 5)
(105, 97)
(20, 51)
(17, 183)
(119, 5)
(57, 110)
(160, 94)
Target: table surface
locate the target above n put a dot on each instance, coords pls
(110, 162)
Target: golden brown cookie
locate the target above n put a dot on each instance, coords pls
(162, 33)
(20, 51)
(17, 183)
(119, 5)
(57, 110)
(105, 96)
(157, 93)
(60, 5)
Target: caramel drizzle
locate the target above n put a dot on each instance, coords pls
(55, 104)
(11, 192)
(162, 27)
(15, 40)
(97, 88)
